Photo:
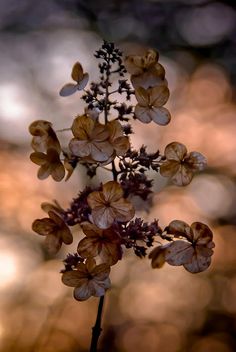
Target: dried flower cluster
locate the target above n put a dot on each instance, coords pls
(100, 137)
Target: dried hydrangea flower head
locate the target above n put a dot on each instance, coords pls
(55, 230)
(179, 165)
(88, 279)
(106, 212)
(79, 77)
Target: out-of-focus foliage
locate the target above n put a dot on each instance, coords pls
(167, 310)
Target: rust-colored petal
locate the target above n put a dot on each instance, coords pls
(77, 72)
(38, 158)
(157, 256)
(43, 226)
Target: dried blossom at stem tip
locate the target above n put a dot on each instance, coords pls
(179, 165)
(103, 243)
(44, 136)
(88, 279)
(50, 164)
(79, 77)
(55, 230)
(109, 205)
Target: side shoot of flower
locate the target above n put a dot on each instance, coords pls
(100, 138)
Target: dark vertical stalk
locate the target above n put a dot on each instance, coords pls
(96, 330)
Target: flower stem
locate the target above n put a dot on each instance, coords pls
(96, 330)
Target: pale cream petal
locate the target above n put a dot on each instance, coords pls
(175, 151)
(179, 253)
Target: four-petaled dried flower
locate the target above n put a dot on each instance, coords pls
(119, 142)
(150, 105)
(109, 205)
(145, 70)
(105, 243)
(91, 139)
(179, 165)
(79, 77)
(88, 279)
(44, 136)
(55, 230)
(50, 164)
(194, 252)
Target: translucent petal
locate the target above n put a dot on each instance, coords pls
(179, 253)
(142, 96)
(161, 116)
(68, 89)
(198, 264)
(159, 95)
(142, 114)
(77, 72)
(175, 151)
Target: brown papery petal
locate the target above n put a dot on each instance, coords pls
(58, 172)
(73, 279)
(52, 243)
(112, 191)
(88, 247)
(198, 264)
(175, 151)
(169, 168)
(183, 177)
(180, 228)
(43, 226)
(124, 210)
(103, 216)
(142, 96)
(68, 89)
(38, 158)
(201, 233)
(159, 95)
(77, 72)
(179, 253)
(142, 113)
(44, 171)
(196, 161)
(161, 116)
(90, 230)
(82, 127)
